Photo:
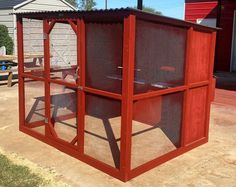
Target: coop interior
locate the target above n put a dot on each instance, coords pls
(159, 65)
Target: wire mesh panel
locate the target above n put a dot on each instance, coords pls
(160, 46)
(35, 105)
(102, 129)
(33, 47)
(104, 56)
(156, 127)
(160, 56)
(64, 111)
(63, 51)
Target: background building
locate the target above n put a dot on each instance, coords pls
(7, 7)
(220, 13)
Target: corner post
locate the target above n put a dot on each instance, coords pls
(185, 115)
(210, 86)
(47, 77)
(20, 44)
(81, 54)
(127, 95)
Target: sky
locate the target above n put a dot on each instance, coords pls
(170, 8)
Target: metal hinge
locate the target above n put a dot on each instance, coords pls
(46, 120)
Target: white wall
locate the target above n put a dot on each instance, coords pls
(63, 42)
(33, 29)
(44, 5)
(63, 39)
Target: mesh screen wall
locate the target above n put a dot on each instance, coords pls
(122, 90)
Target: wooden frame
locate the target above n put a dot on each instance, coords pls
(75, 148)
(232, 43)
(9, 76)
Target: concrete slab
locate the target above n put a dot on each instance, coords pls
(213, 164)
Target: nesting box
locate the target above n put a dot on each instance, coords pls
(122, 90)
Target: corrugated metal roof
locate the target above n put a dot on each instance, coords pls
(9, 4)
(111, 14)
(78, 11)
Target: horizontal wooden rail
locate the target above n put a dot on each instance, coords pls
(159, 92)
(102, 93)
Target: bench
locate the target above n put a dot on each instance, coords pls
(34, 56)
(10, 76)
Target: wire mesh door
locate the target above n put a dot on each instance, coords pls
(63, 78)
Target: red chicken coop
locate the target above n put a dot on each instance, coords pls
(121, 90)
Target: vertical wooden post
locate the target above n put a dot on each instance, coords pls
(9, 79)
(209, 91)
(20, 44)
(81, 53)
(127, 94)
(47, 76)
(188, 57)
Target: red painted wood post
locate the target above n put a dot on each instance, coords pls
(127, 95)
(20, 45)
(75, 28)
(188, 57)
(81, 45)
(46, 29)
(210, 90)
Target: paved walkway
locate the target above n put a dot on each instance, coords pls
(213, 164)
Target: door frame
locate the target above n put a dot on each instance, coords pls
(233, 41)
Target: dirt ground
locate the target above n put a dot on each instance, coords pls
(213, 164)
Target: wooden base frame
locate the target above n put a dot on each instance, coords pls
(106, 168)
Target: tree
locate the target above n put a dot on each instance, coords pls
(73, 3)
(151, 10)
(6, 40)
(87, 4)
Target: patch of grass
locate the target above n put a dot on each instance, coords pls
(16, 175)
